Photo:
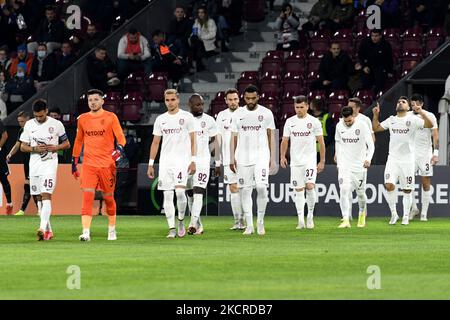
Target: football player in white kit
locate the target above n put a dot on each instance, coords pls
(401, 159)
(354, 151)
(224, 138)
(43, 136)
(252, 149)
(304, 131)
(177, 129)
(197, 183)
(427, 155)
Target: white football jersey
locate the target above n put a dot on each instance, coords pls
(208, 129)
(303, 133)
(423, 142)
(402, 132)
(51, 132)
(354, 145)
(362, 117)
(253, 142)
(176, 143)
(224, 129)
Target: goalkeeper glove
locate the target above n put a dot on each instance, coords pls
(117, 153)
(75, 172)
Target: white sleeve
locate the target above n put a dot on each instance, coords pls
(386, 124)
(418, 123)
(62, 132)
(157, 127)
(191, 124)
(318, 130)
(270, 121)
(370, 145)
(212, 128)
(146, 50)
(121, 48)
(25, 136)
(234, 123)
(286, 129)
(434, 121)
(338, 141)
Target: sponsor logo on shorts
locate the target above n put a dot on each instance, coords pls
(261, 118)
(181, 122)
(309, 125)
(357, 132)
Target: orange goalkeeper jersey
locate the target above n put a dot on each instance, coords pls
(97, 133)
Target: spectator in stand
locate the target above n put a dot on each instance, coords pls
(319, 111)
(341, 17)
(93, 38)
(51, 31)
(20, 88)
(5, 61)
(203, 37)
(389, 12)
(335, 69)
(287, 24)
(232, 11)
(165, 58)
(319, 14)
(428, 13)
(133, 54)
(28, 9)
(3, 95)
(8, 26)
(22, 56)
(375, 61)
(101, 70)
(44, 67)
(180, 28)
(66, 58)
(447, 22)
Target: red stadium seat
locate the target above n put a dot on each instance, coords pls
(270, 103)
(293, 76)
(431, 45)
(311, 77)
(156, 85)
(366, 97)
(317, 94)
(335, 107)
(112, 102)
(413, 53)
(214, 109)
(242, 84)
(274, 55)
(296, 55)
(250, 75)
(132, 106)
(292, 89)
(270, 65)
(294, 66)
(435, 32)
(82, 105)
(135, 82)
(343, 34)
(414, 33)
(411, 44)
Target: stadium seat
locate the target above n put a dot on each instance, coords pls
(431, 44)
(271, 65)
(335, 107)
(294, 66)
(270, 103)
(112, 102)
(293, 76)
(414, 33)
(320, 44)
(274, 55)
(360, 36)
(241, 84)
(156, 85)
(412, 53)
(296, 54)
(215, 108)
(294, 88)
(411, 44)
(250, 75)
(132, 106)
(271, 88)
(435, 32)
(311, 77)
(343, 34)
(335, 116)
(286, 111)
(135, 82)
(82, 105)
(366, 97)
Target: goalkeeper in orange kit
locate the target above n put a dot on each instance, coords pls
(103, 139)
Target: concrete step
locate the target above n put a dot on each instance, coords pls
(233, 66)
(255, 36)
(208, 77)
(254, 46)
(207, 96)
(211, 87)
(239, 56)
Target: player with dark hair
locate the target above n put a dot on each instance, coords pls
(4, 170)
(43, 136)
(103, 139)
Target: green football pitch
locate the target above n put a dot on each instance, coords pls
(410, 262)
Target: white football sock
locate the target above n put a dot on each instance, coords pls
(190, 200)
(300, 205)
(111, 228)
(236, 206)
(39, 207)
(414, 200)
(45, 213)
(169, 208)
(181, 202)
(197, 205)
(344, 201)
(426, 195)
(247, 205)
(407, 201)
(391, 198)
(311, 201)
(86, 232)
(362, 200)
(49, 227)
(261, 202)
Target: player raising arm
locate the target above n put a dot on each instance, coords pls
(97, 130)
(400, 163)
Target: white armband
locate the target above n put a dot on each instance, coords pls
(151, 162)
(436, 153)
(193, 159)
(218, 163)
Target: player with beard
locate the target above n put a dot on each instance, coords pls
(400, 163)
(427, 155)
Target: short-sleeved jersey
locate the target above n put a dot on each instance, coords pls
(51, 132)
(98, 132)
(26, 155)
(303, 133)
(224, 130)
(354, 145)
(176, 143)
(362, 117)
(402, 131)
(207, 129)
(251, 128)
(423, 142)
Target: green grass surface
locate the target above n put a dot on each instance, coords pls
(325, 263)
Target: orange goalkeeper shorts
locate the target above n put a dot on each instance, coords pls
(103, 179)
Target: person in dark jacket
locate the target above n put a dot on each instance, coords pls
(180, 28)
(20, 88)
(92, 39)
(101, 70)
(375, 61)
(43, 69)
(335, 69)
(50, 30)
(66, 58)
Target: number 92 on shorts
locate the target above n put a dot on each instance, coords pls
(199, 178)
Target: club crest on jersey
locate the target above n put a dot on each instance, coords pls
(294, 183)
(203, 124)
(181, 122)
(408, 123)
(263, 172)
(357, 132)
(260, 118)
(309, 125)
(241, 181)
(51, 130)
(34, 188)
